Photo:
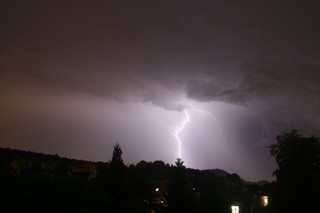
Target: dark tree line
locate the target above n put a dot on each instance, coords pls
(36, 183)
(32, 182)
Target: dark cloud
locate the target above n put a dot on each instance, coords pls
(296, 84)
(257, 60)
(208, 91)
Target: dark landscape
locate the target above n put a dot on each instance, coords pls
(35, 182)
(159, 106)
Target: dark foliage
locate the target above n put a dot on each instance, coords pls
(215, 195)
(180, 196)
(298, 174)
(33, 182)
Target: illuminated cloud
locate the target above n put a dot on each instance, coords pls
(75, 77)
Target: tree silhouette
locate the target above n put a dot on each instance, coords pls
(116, 176)
(298, 174)
(180, 197)
(116, 160)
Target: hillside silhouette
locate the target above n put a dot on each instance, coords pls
(38, 182)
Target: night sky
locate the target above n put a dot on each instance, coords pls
(77, 77)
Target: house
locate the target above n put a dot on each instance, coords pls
(249, 198)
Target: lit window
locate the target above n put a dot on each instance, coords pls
(235, 209)
(265, 201)
(157, 189)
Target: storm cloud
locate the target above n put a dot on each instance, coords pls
(82, 75)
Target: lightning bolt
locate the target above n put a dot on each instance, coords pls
(200, 113)
(179, 128)
(176, 131)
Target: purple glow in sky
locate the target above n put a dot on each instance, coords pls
(76, 77)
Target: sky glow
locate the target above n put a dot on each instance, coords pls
(78, 76)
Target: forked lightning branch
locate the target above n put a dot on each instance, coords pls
(182, 124)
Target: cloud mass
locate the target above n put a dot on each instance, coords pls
(76, 77)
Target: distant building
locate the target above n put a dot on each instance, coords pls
(251, 198)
